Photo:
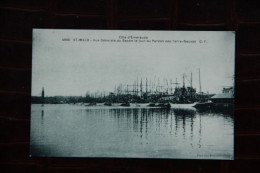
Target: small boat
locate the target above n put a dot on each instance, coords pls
(125, 104)
(91, 104)
(152, 105)
(107, 104)
(183, 106)
(160, 105)
(204, 105)
(164, 105)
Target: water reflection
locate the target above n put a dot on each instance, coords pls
(146, 121)
(151, 121)
(173, 133)
(184, 116)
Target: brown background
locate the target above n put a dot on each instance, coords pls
(18, 17)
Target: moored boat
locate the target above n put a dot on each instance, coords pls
(91, 104)
(160, 105)
(125, 104)
(204, 105)
(183, 106)
(107, 104)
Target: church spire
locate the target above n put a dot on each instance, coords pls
(42, 95)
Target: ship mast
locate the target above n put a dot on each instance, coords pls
(43, 100)
(183, 82)
(191, 80)
(146, 86)
(137, 87)
(199, 81)
(191, 90)
(141, 88)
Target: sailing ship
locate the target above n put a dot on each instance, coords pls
(153, 94)
(184, 97)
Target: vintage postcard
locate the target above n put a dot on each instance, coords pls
(132, 94)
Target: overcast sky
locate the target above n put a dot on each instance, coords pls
(72, 68)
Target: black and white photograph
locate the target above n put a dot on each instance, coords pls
(133, 94)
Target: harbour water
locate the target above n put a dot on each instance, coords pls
(64, 130)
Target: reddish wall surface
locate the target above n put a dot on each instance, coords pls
(19, 17)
